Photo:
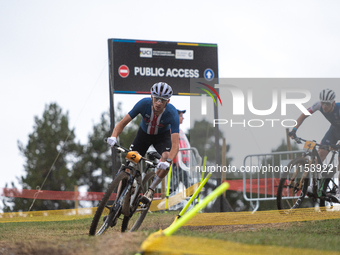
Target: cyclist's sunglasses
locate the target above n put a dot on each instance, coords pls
(326, 104)
(162, 100)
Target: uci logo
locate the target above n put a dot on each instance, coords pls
(145, 52)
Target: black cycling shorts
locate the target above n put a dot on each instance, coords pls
(142, 142)
(332, 136)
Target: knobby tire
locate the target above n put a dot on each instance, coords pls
(103, 203)
(125, 225)
(283, 189)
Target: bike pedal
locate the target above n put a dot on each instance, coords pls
(144, 201)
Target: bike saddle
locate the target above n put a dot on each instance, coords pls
(153, 155)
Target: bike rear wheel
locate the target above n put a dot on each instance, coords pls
(138, 210)
(107, 211)
(293, 186)
(327, 190)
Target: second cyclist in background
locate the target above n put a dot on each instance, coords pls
(159, 127)
(331, 111)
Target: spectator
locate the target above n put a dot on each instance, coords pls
(180, 174)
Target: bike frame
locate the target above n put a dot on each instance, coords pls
(135, 174)
(128, 184)
(317, 179)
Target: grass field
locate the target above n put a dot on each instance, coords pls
(71, 237)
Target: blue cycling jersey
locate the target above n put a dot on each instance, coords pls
(333, 117)
(155, 124)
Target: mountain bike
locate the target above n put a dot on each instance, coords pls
(295, 179)
(123, 195)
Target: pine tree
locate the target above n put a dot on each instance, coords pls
(94, 170)
(50, 154)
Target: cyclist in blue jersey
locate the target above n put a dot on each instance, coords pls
(331, 111)
(159, 127)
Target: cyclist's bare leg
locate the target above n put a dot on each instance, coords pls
(160, 174)
(323, 154)
(338, 191)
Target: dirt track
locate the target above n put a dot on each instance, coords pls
(113, 242)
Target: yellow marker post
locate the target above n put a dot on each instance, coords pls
(204, 163)
(181, 221)
(168, 189)
(195, 194)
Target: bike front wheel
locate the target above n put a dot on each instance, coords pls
(293, 186)
(139, 210)
(108, 211)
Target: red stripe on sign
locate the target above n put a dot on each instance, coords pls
(145, 42)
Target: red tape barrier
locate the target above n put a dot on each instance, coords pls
(56, 195)
(262, 186)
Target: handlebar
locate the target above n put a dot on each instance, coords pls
(122, 149)
(326, 147)
(299, 139)
(118, 147)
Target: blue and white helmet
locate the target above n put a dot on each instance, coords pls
(327, 96)
(161, 89)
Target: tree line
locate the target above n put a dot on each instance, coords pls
(54, 159)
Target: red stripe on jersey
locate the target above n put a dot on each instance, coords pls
(153, 124)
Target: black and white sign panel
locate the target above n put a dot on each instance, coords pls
(136, 65)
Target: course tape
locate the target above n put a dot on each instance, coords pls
(50, 215)
(191, 245)
(200, 219)
(263, 217)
